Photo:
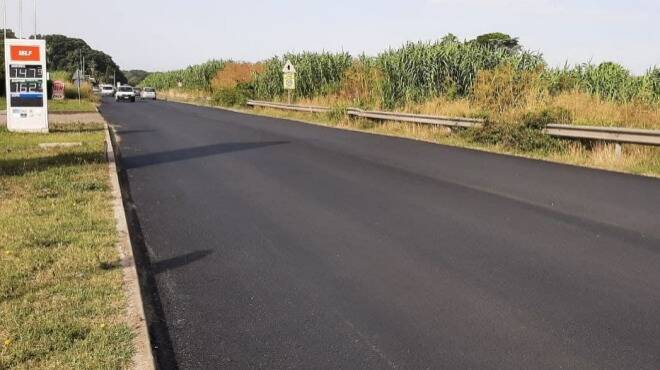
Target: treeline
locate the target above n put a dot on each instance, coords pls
(135, 76)
(417, 72)
(63, 56)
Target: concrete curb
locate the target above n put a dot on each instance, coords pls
(143, 357)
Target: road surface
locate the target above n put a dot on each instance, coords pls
(277, 244)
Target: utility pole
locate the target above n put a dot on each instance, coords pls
(79, 67)
(4, 17)
(35, 19)
(20, 19)
(114, 77)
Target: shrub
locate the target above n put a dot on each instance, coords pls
(63, 76)
(526, 136)
(361, 83)
(539, 120)
(515, 136)
(71, 91)
(230, 97)
(233, 74)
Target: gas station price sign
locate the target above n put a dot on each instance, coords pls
(25, 68)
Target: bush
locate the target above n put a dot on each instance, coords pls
(71, 91)
(231, 97)
(519, 137)
(361, 83)
(527, 136)
(539, 120)
(233, 74)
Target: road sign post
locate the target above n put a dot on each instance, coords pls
(289, 78)
(25, 76)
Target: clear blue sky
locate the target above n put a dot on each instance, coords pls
(168, 34)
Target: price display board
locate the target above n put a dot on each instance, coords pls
(25, 68)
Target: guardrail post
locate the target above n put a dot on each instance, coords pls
(618, 150)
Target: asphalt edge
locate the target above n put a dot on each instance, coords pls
(143, 357)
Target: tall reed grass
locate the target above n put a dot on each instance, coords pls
(194, 77)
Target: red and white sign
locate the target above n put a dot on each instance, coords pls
(26, 85)
(58, 90)
(25, 53)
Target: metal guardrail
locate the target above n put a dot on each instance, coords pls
(299, 108)
(612, 134)
(417, 118)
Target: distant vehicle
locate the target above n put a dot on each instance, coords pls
(125, 93)
(107, 90)
(138, 92)
(149, 93)
(96, 89)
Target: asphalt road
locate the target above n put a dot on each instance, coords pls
(276, 244)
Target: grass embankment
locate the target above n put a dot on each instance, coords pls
(62, 106)
(61, 298)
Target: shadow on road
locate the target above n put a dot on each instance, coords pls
(176, 262)
(191, 153)
(121, 132)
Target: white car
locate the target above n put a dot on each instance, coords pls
(149, 93)
(125, 93)
(107, 90)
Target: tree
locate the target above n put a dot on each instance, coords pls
(135, 76)
(498, 40)
(64, 53)
(450, 38)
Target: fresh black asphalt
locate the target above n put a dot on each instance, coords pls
(277, 244)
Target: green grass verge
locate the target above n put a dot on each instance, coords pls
(61, 297)
(71, 105)
(61, 106)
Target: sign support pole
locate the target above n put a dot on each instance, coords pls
(20, 19)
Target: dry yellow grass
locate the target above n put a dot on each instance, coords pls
(584, 109)
(184, 95)
(590, 110)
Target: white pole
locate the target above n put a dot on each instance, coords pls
(20, 19)
(4, 18)
(35, 19)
